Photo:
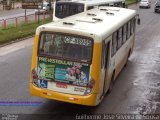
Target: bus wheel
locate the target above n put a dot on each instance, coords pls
(111, 83)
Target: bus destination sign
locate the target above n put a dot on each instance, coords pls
(31, 4)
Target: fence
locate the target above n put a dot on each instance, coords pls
(15, 21)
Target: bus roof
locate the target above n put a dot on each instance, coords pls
(93, 2)
(102, 22)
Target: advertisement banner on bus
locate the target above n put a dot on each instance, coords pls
(63, 71)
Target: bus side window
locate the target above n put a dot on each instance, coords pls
(114, 43)
(66, 10)
(119, 38)
(73, 9)
(132, 26)
(59, 9)
(128, 29)
(80, 8)
(124, 33)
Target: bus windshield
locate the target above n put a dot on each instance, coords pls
(67, 9)
(66, 46)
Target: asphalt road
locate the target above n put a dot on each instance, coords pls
(136, 90)
(15, 13)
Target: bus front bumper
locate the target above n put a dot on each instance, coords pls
(89, 100)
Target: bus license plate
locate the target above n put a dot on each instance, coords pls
(61, 85)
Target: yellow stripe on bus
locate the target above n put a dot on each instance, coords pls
(96, 64)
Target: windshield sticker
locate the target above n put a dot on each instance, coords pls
(63, 71)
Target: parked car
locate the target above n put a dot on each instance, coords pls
(145, 4)
(43, 9)
(157, 6)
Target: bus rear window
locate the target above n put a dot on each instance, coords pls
(67, 9)
(66, 47)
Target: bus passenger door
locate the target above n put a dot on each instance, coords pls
(105, 63)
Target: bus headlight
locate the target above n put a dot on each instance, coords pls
(90, 86)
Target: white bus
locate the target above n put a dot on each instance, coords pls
(77, 59)
(67, 8)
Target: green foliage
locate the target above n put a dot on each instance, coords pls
(12, 34)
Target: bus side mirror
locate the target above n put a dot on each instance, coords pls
(138, 21)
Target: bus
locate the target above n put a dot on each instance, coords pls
(77, 59)
(67, 8)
